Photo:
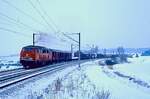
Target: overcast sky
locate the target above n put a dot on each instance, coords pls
(106, 23)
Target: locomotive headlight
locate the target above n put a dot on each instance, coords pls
(27, 58)
(27, 55)
(30, 58)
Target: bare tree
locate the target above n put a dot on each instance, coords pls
(121, 54)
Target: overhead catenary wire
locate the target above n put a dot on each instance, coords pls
(23, 12)
(59, 31)
(13, 20)
(18, 22)
(50, 19)
(41, 15)
(13, 31)
(7, 22)
(31, 17)
(71, 38)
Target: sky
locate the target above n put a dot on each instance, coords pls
(105, 23)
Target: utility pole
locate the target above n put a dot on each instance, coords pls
(79, 49)
(33, 39)
(72, 50)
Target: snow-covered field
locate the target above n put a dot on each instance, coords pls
(9, 62)
(127, 85)
(138, 68)
(91, 81)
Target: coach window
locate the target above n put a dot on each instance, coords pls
(43, 51)
(40, 50)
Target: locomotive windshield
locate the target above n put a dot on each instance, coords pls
(28, 49)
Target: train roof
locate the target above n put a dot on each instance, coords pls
(41, 47)
(32, 46)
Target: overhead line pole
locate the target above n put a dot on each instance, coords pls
(33, 39)
(71, 50)
(79, 42)
(79, 48)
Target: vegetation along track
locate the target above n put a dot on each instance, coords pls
(13, 78)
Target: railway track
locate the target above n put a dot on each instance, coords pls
(10, 71)
(16, 76)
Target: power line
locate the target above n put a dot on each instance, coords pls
(27, 26)
(50, 19)
(70, 38)
(12, 31)
(47, 15)
(41, 15)
(21, 11)
(58, 30)
(53, 22)
(44, 12)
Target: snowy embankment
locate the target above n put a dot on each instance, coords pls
(91, 81)
(9, 62)
(129, 80)
(71, 83)
(138, 68)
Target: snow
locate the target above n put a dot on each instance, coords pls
(118, 90)
(74, 85)
(138, 68)
(91, 81)
(9, 63)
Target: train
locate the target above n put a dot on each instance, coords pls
(32, 56)
(37, 56)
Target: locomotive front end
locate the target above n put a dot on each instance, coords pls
(28, 57)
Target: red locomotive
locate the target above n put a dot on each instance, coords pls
(36, 56)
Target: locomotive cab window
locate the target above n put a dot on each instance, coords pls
(28, 49)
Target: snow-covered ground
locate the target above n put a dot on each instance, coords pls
(74, 84)
(91, 81)
(129, 80)
(138, 68)
(9, 62)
